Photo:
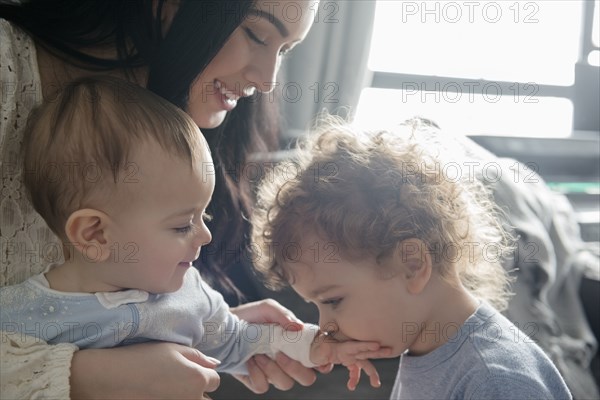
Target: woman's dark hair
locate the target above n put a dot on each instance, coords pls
(198, 31)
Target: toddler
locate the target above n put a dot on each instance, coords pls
(124, 178)
(393, 249)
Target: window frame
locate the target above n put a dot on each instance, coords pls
(586, 100)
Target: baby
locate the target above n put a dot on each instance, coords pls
(124, 178)
(392, 250)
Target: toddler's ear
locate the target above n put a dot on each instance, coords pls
(86, 232)
(415, 261)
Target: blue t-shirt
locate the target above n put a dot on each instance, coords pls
(489, 358)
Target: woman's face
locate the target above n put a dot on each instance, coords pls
(250, 59)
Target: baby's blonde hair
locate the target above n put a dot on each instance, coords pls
(76, 145)
(368, 192)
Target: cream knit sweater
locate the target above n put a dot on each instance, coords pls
(29, 369)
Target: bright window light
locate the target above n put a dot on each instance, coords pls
(522, 43)
(468, 114)
(505, 40)
(596, 26)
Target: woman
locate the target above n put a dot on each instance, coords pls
(210, 58)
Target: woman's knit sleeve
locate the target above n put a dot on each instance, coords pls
(32, 369)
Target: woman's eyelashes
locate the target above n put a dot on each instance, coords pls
(254, 37)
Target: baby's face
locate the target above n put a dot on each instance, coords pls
(160, 219)
(357, 299)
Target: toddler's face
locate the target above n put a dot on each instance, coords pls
(357, 299)
(159, 222)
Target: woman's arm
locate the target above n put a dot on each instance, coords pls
(31, 368)
(148, 370)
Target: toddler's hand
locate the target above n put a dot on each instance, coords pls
(352, 354)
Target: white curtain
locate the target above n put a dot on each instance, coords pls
(329, 69)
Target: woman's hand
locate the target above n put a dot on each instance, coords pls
(148, 370)
(283, 371)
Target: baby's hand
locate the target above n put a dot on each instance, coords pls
(352, 354)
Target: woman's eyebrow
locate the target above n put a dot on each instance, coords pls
(283, 31)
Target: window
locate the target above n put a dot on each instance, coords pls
(507, 68)
(594, 55)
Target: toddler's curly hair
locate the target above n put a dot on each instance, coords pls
(367, 192)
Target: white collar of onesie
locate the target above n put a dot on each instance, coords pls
(107, 299)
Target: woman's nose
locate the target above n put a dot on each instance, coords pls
(262, 72)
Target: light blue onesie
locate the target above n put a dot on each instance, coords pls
(488, 359)
(195, 315)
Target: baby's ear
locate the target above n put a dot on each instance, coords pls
(86, 230)
(413, 257)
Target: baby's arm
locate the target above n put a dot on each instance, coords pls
(233, 342)
(352, 354)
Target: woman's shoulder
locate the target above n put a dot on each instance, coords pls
(18, 59)
(23, 230)
(13, 37)
(19, 75)
(12, 31)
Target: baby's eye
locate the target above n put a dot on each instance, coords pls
(183, 229)
(206, 217)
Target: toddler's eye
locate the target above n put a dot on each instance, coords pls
(333, 302)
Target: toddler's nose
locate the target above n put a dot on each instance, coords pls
(329, 327)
